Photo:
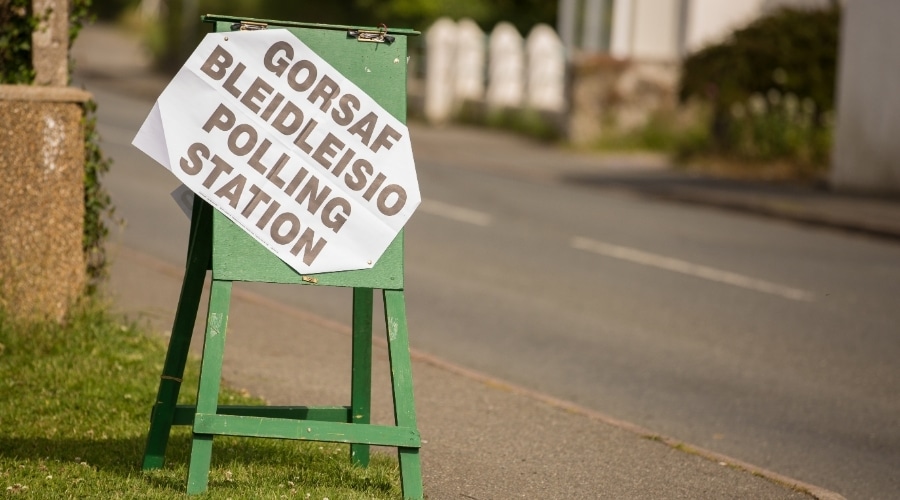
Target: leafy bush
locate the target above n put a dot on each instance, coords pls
(664, 131)
(777, 127)
(16, 25)
(528, 122)
(97, 203)
(111, 9)
(770, 86)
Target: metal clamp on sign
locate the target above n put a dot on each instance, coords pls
(379, 36)
(248, 26)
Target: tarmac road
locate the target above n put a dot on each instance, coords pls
(771, 342)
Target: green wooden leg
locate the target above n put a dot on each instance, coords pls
(179, 343)
(401, 380)
(210, 382)
(361, 370)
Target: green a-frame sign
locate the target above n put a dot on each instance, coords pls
(218, 245)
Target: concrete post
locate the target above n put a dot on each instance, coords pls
(469, 62)
(50, 43)
(440, 46)
(42, 268)
(866, 150)
(506, 68)
(545, 70)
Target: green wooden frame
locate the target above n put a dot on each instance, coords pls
(218, 245)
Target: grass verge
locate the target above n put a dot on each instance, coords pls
(74, 406)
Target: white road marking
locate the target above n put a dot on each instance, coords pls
(453, 212)
(684, 267)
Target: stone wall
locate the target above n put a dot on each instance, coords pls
(615, 95)
(42, 270)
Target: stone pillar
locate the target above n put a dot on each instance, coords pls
(42, 269)
(546, 84)
(50, 43)
(440, 47)
(470, 62)
(506, 68)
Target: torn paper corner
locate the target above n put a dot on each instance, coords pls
(151, 138)
(184, 198)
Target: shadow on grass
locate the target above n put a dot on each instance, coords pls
(122, 458)
(124, 455)
(115, 455)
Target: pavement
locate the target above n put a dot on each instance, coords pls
(484, 438)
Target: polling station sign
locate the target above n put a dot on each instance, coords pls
(273, 136)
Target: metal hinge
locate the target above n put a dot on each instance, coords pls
(376, 36)
(248, 26)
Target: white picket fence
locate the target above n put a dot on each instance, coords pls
(502, 70)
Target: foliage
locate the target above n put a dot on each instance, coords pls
(80, 13)
(16, 25)
(770, 86)
(97, 203)
(776, 127)
(664, 131)
(109, 10)
(793, 51)
(76, 399)
(527, 122)
(416, 14)
(17, 22)
(178, 31)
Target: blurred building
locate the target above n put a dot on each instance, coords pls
(625, 55)
(657, 30)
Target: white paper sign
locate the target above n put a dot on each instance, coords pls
(273, 136)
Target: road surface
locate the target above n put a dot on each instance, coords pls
(770, 342)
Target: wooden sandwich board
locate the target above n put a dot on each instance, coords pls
(217, 245)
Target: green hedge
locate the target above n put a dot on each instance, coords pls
(770, 86)
(16, 25)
